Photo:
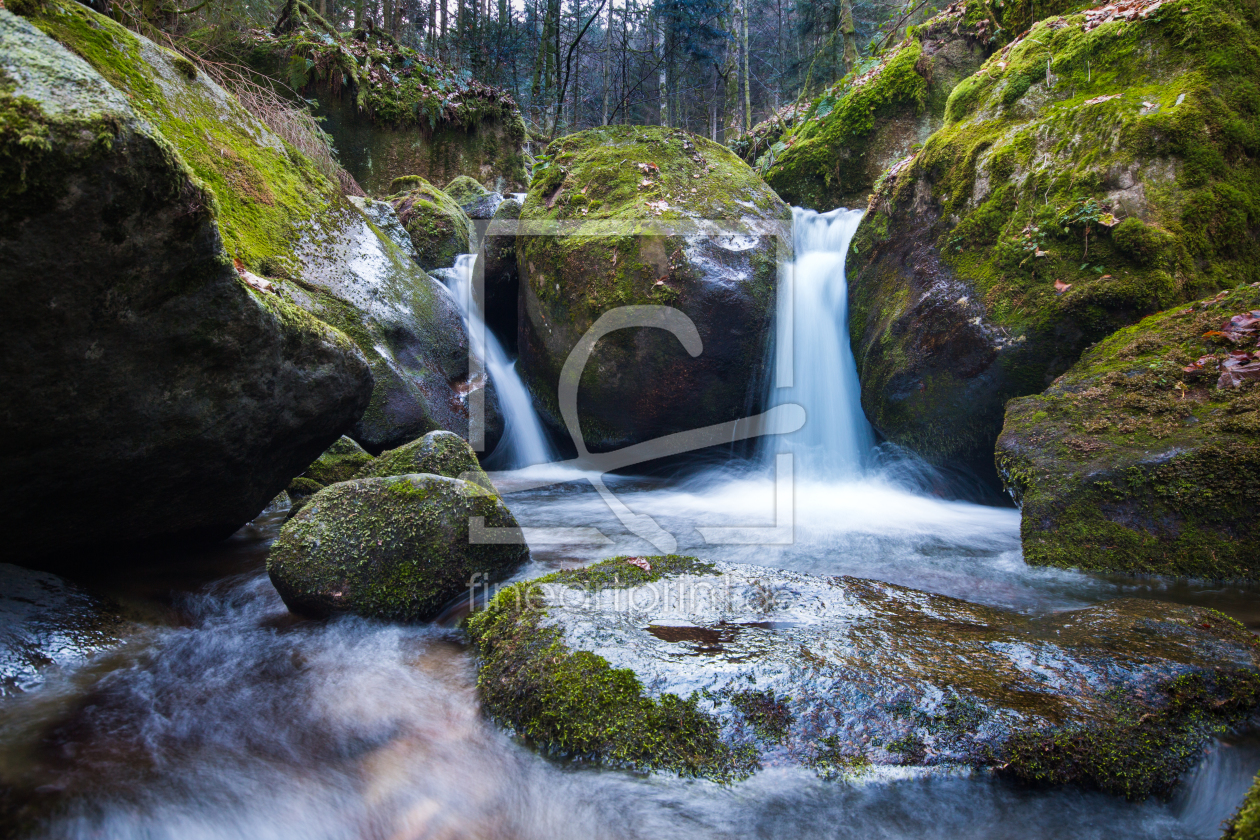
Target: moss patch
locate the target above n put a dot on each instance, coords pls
(1130, 463)
(439, 228)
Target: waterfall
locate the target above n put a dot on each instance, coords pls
(814, 365)
(524, 442)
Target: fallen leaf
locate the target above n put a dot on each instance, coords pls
(1236, 371)
(1061, 287)
(1098, 99)
(640, 562)
(1199, 365)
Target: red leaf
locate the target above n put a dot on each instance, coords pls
(640, 562)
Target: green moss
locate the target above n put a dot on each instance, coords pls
(616, 573)
(340, 462)
(439, 228)
(1131, 176)
(464, 190)
(768, 715)
(265, 195)
(1128, 463)
(437, 453)
(1245, 825)
(575, 704)
(1145, 745)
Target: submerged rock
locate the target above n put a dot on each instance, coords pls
(438, 228)
(437, 453)
(636, 200)
(869, 122)
(152, 390)
(1088, 175)
(668, 663)
(45, 620)
(1145, 456)
(394, 548)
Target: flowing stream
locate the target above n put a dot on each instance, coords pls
(227, 717)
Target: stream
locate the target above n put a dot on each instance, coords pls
(223, 716)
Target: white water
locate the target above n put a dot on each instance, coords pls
(814, 365)
(524, 442)
(225, 717)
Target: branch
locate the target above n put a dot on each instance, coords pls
(568, 58)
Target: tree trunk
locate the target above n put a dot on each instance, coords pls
(608, 63)
(743, 40)
(849, 33)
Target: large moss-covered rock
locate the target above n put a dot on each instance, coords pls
(1093, 172)
(438, 453)
(340, 462)
(861, 126)
(151, 390)
(621, 188)
(668, 663)
(438, 227)
(1129, 463)
(395, 548)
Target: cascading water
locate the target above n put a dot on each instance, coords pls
(225, 716)
(524, 441)
(836, 440)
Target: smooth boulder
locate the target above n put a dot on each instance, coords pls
(649, 216)
(717, 669)
(1144, 458)
(396, 548)
(153, 391)
(1101, 168)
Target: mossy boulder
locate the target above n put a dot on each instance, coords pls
(496, 264)
(1093, 172)
(635, 200)
(1130, 463)
(438, 227)
(1245, 825)
(874, 118)
(154, 391)
(395, 548)
(438, 453)
(466, 191)
(716, 669)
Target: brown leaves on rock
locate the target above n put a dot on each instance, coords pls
(1061, 287)
(1242, 327)
(1201, 365)
(1240, 367)
(640, 562)
(1124, 10)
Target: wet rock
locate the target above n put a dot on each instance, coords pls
(47, 621)
(438, 229)
(153, 391)
(1061, 200)
(1144, 458)
(394, 548)
(496, 263)
(763, 667)
(437, 453)
(861, 127)
(466, 192)
(639, 197)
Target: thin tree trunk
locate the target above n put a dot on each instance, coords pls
(849, 32)
(743, 14)
(608, 63)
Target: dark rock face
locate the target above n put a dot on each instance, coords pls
(150, 391)
(496, 263)
(394, 548)
(623, 187)
(1057, 204)
(761, 667)
(854, 132)
(437, 453)
(46, 621)
(1131, 463)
